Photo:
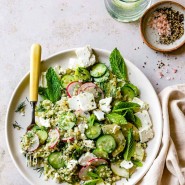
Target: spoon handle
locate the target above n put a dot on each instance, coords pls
(35, 59)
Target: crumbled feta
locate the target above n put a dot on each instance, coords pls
(87, 102)
(126, 164)
(89, 143)
(143, 105)
(99, 114)
(74, 103)
(146, 134)
(85, 56)
(72, 164)
(42, 122)
(84, 101)
(59, 70)
(145, 118)
(82, 127)
(73, 63)
(43, 80)
(85, 158)
(105, 104)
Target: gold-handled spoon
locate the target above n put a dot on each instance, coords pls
(35, 59)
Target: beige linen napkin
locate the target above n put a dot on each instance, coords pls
(169, 166)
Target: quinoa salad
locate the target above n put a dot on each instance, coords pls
(91, 126)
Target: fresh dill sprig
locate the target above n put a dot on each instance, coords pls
(39, 170)
(21, 107)
(28, 100)
(17, 126)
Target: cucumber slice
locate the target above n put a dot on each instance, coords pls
(93, 131)
(43, 135)
(106, 143)
(98, 70)
(82, 74)
(134, 88)
(127, 92)
(100, 153)
(67, 120)
(55, 160)
(103, 78)
(127, 127)
(117, 170)
(91, 182)
(66, 80)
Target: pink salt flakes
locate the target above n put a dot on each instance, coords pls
(174, 70)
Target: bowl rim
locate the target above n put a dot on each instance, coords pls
(141, 26)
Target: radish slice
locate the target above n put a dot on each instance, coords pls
(97, 162)
(83, 174)
(34, 140)
(68, 139)
(82, 88)
(96, 91)
(72, 87)
(54, 137)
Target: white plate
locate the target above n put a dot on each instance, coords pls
(13, 136)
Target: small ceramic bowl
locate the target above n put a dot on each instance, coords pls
(151, 36)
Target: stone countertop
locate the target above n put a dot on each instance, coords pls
(59, 25)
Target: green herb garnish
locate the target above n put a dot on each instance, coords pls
(118, 64)
(39, 170)
(16, 125)
(117, 118)
(53, 91)
(137, 163)
(130, 146)
(123, 106)
(21, 107)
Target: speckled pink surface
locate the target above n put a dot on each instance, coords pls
(59, 25)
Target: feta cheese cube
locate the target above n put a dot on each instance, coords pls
(59, 70)
(82, 127)
(73, 63)
(42, 122)
(143, 105)
(85, 56)
(84, 101)
(105, 104)
(72, 164)
(87, 102)
(74, 103)
(89, 143)
(145, 118)
(85, 158)
(99, 114)
(146, 134)
(126, 164)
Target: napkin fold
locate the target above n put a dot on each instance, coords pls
(169, 166)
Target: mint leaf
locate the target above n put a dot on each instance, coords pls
(117, 118)
(53, 91)
(129, 115)
(137, 122)
(43, 92)
(118, 64)
(54, 85)
(121, 106)
(91, 120)
(137, 163)
(130, 146)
